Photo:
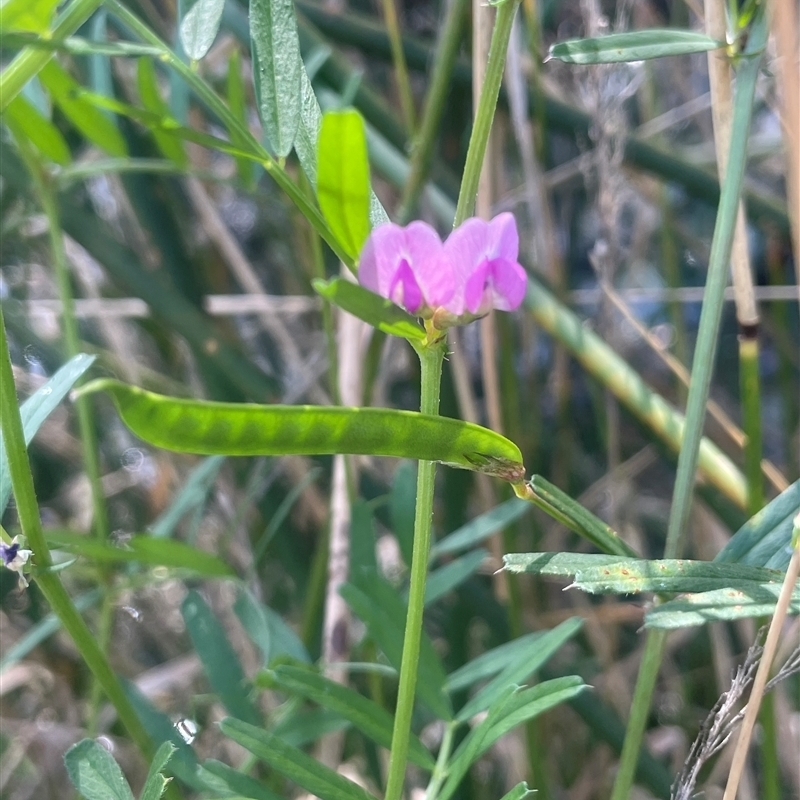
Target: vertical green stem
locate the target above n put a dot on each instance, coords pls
(88, 437)
(431, 359)
(443, 64)
(702, 369)
(484, 114)
(400, 67)
(751, 420)
(48, 581)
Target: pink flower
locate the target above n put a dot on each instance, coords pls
(474, 271)
(408, 266)
(488, 275)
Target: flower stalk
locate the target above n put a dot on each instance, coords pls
(431, 358)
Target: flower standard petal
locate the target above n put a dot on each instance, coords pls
(485, 258)
(431, 267)
(407, 266)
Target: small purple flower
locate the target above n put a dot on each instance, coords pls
(474, 271)
(488, 275)
(14, 557)
(408, 266)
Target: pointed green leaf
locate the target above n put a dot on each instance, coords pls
(199, 27)
(556, 564)
(219, 660)
(720, 604)
(370, 718)
(343, 186)
(634, 576)
(238, 106)
(93, 124)
(145, 550)
(208, 428)
(482, 527)
(254, 620)
(156, 783)
(25, 121)
(301, 728)
(222, 778)
(446, 578)
(519, 792)
(27, 15)
(35, 410)
(633, 46)
(765, 539)
(513, 707)
(94, 772)
(380, 607)
(150, 95)
(276, 70)
(580, 519)
(491, 662)
(377, 311)
(604, 574)
(527, 661)
(300, 768)
(402, 503)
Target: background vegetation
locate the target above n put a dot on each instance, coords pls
(133, 233)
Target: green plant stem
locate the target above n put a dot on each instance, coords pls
(431, 359)
(400, 66)
(441, 82)
(702, 369)
(484, 115)
(29, 61)
(48, 581)
(88, 437)
(439, 773)
(750, 384)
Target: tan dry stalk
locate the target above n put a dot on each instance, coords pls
(720, 76)
(785, 30)
(760, 682)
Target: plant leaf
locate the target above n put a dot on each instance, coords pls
(513, 707)
(580, 519)
(526, 662)
(370, 307)
(604, 574)
(94, 125)
(199, 27)
(156, 783)
(27, 15)
(94, 772)
(446, 578)
(721, 604)
(145, 550)
(276, 70)
(150, 95)
(519, 792)
(35, 410)
(379, 606)
(221, 777)
(370, 718)
(633, 46)
(765, 539)
(254, 620)
(26, 121)
(482, 527)
(343, 178)
(208, 428)
(219, 660)
(300, 768)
